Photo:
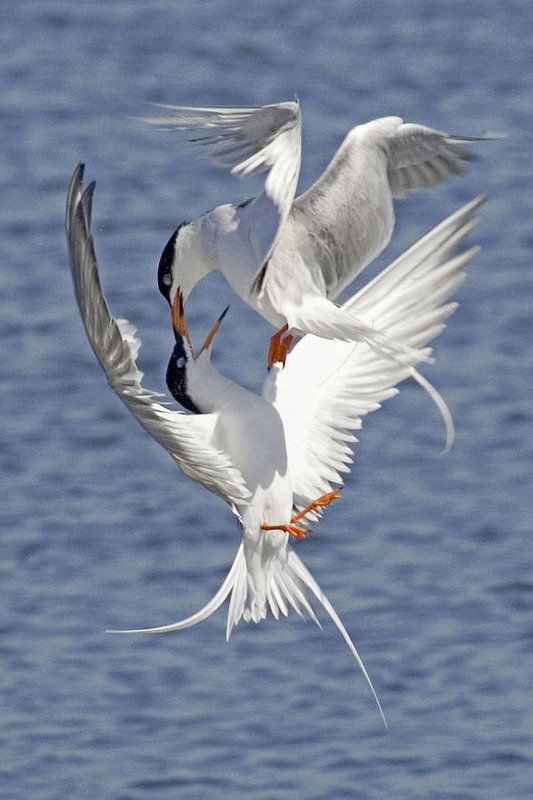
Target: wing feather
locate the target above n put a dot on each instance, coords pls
(346, 218)
(249, 140)
(327, 386)
(115, 343)
(419, 157)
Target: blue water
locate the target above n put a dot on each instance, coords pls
(428, 558)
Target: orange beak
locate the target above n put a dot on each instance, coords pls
(213, 332)
(179, 323)
(177, 315)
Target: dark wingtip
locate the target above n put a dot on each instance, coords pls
(488, 136)
(75, 187)
(87, 203)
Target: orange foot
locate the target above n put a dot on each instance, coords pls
(279, 346)
(296, 530)
(325, 500)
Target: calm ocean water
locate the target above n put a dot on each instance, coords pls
(428, 559)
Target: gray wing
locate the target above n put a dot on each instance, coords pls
(420, 157)
(346, 218)
(249, 140)
(186, 438)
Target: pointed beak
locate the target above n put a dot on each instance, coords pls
(213, 332)
(177, 314)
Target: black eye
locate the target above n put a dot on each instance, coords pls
(164, 272)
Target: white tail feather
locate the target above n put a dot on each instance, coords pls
(289, 586)
(305, 576)
(205, 612)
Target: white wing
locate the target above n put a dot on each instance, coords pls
(249, 140)
(328, 386)
(186, 438)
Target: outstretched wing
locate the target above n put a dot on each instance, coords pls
(249, 140)
(346, 218)
(115, 344)
(419, 157)
(327, 386)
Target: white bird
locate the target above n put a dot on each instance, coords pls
(274, 458)
(288, 257)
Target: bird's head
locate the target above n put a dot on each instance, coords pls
(184, 364)
(184, 261)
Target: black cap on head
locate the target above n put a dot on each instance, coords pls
(164, 271)
(177, 376)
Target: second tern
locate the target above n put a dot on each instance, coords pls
(290, 257)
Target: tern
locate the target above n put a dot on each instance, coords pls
(276, 458)
(234, 446)
(289, 257)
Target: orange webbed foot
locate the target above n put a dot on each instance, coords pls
(297, 530)
(324, 500)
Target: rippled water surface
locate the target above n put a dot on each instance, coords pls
(428, 557)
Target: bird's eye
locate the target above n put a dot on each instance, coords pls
(167, 279)
(180, 362)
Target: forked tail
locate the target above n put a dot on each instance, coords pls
(290, 585)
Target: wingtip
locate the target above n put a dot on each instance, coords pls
(77, 175)
(488, 136)
(89, 190)
(74, 192)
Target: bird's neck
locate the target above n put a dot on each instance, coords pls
(206, 388)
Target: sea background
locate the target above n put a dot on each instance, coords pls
(428, 558)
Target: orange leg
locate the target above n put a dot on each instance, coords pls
(279, 346)
(296, 530)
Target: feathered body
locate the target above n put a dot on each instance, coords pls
(250, 431)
